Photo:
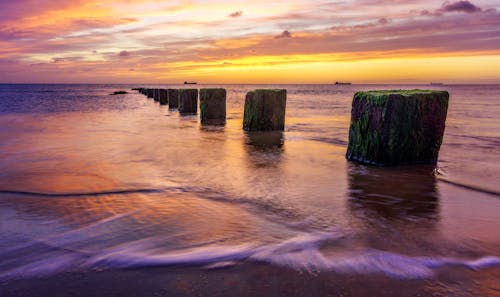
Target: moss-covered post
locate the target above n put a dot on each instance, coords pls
(265, 110)
(213, 106)
(397, 127)
(163, 97)
(173, 98)
(188, 101)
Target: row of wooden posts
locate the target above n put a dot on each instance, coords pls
(388, 127)
(264, 108)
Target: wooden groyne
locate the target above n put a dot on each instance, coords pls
(388, 127)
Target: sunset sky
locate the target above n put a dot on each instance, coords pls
(293, 41)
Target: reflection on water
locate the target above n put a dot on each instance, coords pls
(265, 139)
(393, 194)
(264, 149)
(213, 122)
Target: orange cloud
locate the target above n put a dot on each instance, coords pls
(129, 40)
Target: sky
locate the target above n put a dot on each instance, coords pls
(258, 41)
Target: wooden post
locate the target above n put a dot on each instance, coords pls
(397, 127)
(213, 106)
(156, 95)
(188, 101)
(173, 98)
(265, 110)
(163, 97)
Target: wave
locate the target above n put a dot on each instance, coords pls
(99, 193)
(303, 252)
(468, 186)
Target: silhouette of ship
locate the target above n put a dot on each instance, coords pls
(342, 83)
(190, 83)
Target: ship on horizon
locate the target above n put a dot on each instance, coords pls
(342, 83)
(190, 83)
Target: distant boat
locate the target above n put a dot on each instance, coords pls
(436, 84)
(343, 83)
(190, 83)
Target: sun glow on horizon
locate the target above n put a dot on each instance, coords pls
(250, 42)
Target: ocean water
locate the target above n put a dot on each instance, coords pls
(90, 181)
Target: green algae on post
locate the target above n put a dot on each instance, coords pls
(397, 127)
(188, 101)
(265, 110)
(213, 106)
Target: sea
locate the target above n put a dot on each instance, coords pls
(92, 183)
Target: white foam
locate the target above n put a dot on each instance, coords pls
(302, 253)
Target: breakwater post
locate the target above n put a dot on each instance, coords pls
(163, 97)
(173, 98)
(265, 110)
(150, 93)
(188, 101)
(156, 95)
(213, 106)
(397, 127)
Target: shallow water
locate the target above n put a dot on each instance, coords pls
(92, 181)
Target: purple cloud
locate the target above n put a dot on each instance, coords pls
(284, 34)
(124, 54)
(462, 6)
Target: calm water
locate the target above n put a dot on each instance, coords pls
(92, 181)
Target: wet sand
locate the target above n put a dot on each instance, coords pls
(251, 279)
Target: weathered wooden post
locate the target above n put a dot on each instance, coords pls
(188, 101)
(156, 95)
(213, 106)
(173, 98)
(150, 93)
(397, 127)
(163, 97)
(265, 110)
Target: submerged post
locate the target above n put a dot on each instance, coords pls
(265, 110)
(213, 106)
(173, 98)
(163, 97)
(150, 93)
(397, 127)
(188, 101)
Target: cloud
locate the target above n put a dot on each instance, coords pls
(124, 54)
(236, 14)
(66, 59)
(383, 21)
(461, 6)
(107, 38)
(284, 34)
